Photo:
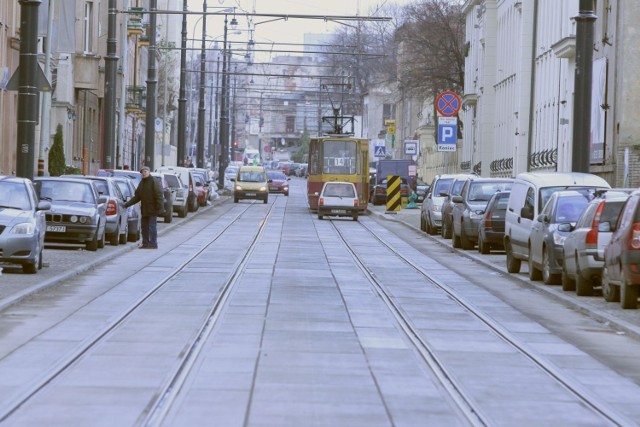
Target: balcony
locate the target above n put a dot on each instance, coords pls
(136, 101)
(134, 25)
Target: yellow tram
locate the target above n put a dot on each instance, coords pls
(338, 158)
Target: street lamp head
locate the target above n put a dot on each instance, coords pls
(234, 23)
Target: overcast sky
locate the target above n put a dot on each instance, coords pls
(291, 30)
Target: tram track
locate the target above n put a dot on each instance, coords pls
(156, 409)
(465, 402)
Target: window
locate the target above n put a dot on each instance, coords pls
(339, 157)
(291, 124)
(87, 35)
(388, 112)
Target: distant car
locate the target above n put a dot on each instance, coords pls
(117, 226)
(230, 172)
(22, 223)
(546, 240)
(338, 199)
(78, 213)
(469, 207)
(380, 191)
(201, 189)
(134, 215)
(584, 245)
(421, 191)
(251, 183)
(207, 183)
(181, 194)
(621, 275)
(136, 176)
(187, 178)
(491, 230)
(431, 208)
(168, 194)
(278, 182)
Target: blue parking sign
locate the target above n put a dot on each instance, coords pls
(447, 133)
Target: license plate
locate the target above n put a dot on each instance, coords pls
(338, 211)
(273, 188)
(56, 228)
(250, 194)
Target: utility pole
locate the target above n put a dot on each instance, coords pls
(581, 153)
(111, 60)
(45, 132)
(27, 88)
(182, 100)
(200, 142)
(152, 91)
(224, 111)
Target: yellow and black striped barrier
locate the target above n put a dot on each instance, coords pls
(393, 194)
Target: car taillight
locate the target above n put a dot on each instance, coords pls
(112, 208)
(356, 202)
(591, 239)
(321, 201)
(634, 242)
(488, 220)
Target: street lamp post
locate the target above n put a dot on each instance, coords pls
(201, 110)
(224, 107)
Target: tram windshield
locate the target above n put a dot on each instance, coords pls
(339, 157)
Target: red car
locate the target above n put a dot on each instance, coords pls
(278, 182)
(200, 189)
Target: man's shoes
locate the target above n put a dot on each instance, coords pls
(143, 247)
(151, 247)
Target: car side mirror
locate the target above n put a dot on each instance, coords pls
(542, 218)
(526, 212)
(457, 199)
(43, 205)
(604, 226)
(102, 199)
(565, 227)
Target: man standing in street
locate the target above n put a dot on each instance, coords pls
(149, 194)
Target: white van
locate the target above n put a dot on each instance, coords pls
(529, 193)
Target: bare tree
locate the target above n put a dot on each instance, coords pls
(431, 43)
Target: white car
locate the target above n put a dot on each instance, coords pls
(338, 199)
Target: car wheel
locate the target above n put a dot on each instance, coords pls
(483, 248)
(355, 217)
(182, 212)
(92, 245)
(235, 200)
(568, 284)
(40, 259)
(168, 217)
(320, 216)
(446, 230)
(513, 263)
(547, 277)
(265, 200)
(534, 273)
(584, 287)
(32, 267)
(611, 293)
(123, 236)
(628, 294)
(423, 225)
(456, 241)
(101, 240)
(135, 236)
(114, 238)
(465, 242)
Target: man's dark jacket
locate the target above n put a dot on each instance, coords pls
(149, 194)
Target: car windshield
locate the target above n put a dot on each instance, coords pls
(482, 191)
(442, 185)
(251, 177)
(124, 188)
(338, 190)
(277, 175)
(65, 191)
(547, 192)
(172, 181)
(570, 208)
(13, 195)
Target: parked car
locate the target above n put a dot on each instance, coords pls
(278, 182)
(201, 189)
(134, 215)
(117, 226)
(338, 199)
(421, 192)
(446, 211)
(469, 207)
(380, 191)
(251, 183)
(78, 213)
(621, 274)
(301, 171)
(136, 176)
(207, 183)
(181, 194)
(22, 223)
(431, 208)
(168, 194)
(491, 229)
(529, 194)
(230, 172)
(189, 184)
(584, 245)
(546, 240)
(285, 167)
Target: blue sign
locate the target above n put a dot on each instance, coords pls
(380, 151)
(447, 133)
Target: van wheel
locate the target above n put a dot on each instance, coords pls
(513, 264)
(182, 212)
(456, 241)
(534, 273)
(610, 292)
(584, 287)
(628, 294)
(483, 248)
